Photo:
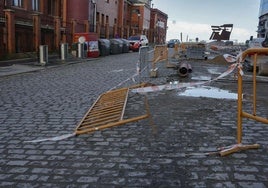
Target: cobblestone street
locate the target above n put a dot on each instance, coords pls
(166, 150)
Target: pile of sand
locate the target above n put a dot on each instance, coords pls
(219, 59)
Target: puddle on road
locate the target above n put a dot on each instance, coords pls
(116, 71)
(201, 78)
(214, 71)
(209, 92)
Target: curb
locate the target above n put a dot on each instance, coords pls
(21, 68)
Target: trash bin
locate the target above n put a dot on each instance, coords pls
(116, 46)
(63, 51)
(92, 48)
(43, 54)
(90, 40)
(104, 47)
(74, 49)
(125, 45)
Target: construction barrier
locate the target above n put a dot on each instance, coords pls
(223, 151)
(176, 50)
(240, 113)
(143, 62)
(196, 51)
(177, 85)
(179, 50)
(190, 50)
(160, 54)
(108, 111)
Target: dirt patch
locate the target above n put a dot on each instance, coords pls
(218, 60)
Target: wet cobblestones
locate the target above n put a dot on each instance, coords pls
(164, 151)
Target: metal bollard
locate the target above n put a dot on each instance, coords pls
(81, 53)
(63, 51)
(43, 54)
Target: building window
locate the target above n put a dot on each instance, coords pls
(17, 3)
(107, 20)
(51, 7)
(35, 5)
(102, 19)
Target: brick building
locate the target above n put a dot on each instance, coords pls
(107, 17)
(158, 25)
(140, 17)
(24, 25)
(75, 18)
(27, 24)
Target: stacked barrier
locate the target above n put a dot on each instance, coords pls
(196, 51)
(190, 51)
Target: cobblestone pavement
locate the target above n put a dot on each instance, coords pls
(164, 151)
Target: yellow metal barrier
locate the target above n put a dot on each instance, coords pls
(176, 50)
(160, 54)
(108, 111)
(240, 113)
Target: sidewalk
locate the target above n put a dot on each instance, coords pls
(32, 66)
(18, 69)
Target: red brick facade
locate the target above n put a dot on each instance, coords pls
(158, 24)
(27, 24)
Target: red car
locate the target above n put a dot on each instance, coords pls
(137, 41)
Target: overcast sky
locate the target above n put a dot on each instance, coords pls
(193, 18)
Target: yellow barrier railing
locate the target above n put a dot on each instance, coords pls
(176, 50)
(240, 113)
(160, 54)
(108, 111)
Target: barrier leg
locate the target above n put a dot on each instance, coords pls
(239, 146)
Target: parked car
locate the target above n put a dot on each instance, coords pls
(137, 41)
(171, 43)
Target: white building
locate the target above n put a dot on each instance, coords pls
(263, 19)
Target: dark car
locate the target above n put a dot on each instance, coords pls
(171, 43)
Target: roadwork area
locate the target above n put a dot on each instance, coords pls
(176, 147)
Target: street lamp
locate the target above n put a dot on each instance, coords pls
(94, 14)
(139, 15)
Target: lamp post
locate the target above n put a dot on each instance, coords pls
(94, 15)
(139, 15)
